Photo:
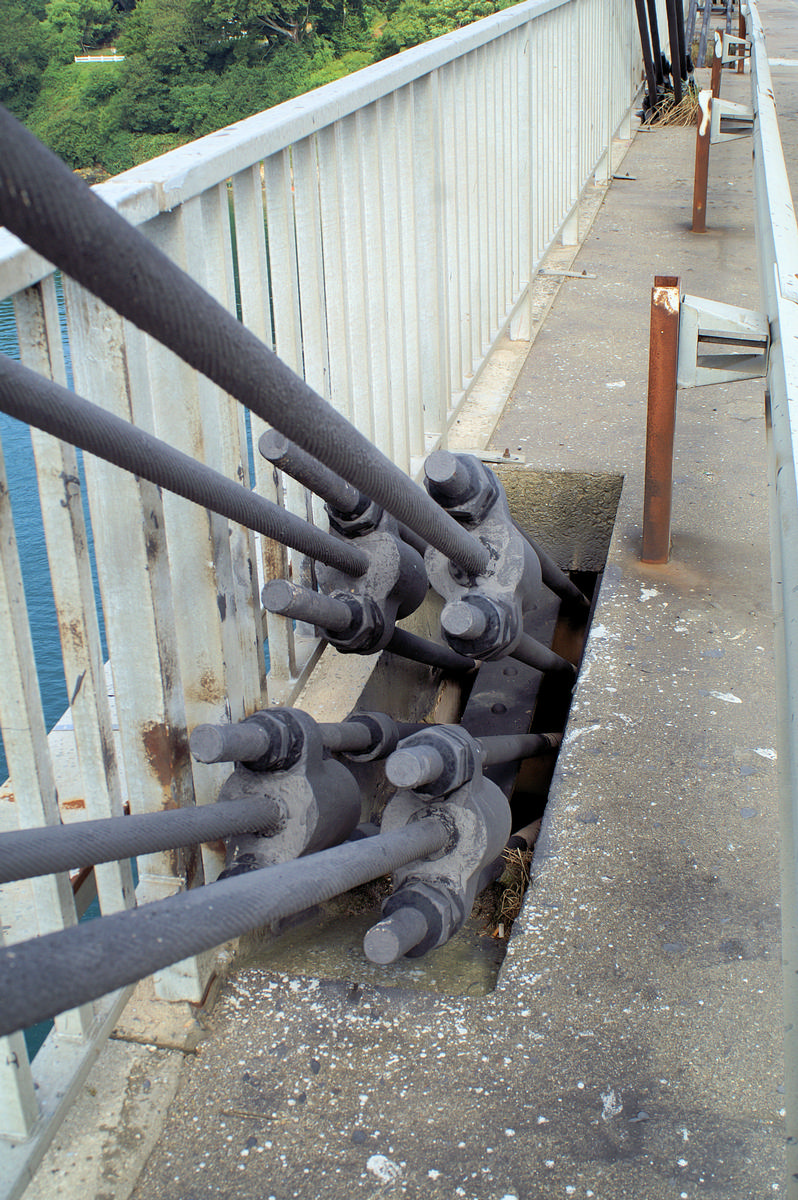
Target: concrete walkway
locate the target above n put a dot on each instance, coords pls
(631, 1050)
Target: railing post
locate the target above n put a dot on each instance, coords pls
(701, 179)
(717, 65)
(661, 419)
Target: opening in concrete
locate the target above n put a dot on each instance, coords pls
(571, 515)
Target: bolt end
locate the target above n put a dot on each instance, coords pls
(273, 445)
(207, 744)
(413, 768)
(277, 596)
(392, 938)
(463, 620)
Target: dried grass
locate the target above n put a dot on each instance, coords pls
(680, 115)
(515, 880)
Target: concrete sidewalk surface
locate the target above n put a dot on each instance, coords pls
(631, 1049)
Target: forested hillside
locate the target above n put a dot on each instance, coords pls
(190, 66)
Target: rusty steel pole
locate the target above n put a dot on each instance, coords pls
(741, 49)
(701, 178)
(661, 420)
(717, 67)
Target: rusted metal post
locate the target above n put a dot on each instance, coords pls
(717, 67)
(701, 162)
(740, 49)
(661, 420)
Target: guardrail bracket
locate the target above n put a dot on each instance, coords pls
(720, 343)
(730, 112)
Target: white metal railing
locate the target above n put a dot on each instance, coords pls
(777, 252)
(381, 233)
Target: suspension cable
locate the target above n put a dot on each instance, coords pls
(50, 974)
(39, 401)
(53, 211)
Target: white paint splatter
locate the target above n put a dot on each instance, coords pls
(726, 697)
(433, 1174)
(705, 104)
(385, 1170)
(766, 752)
(648, 594)
(617, 383)
(612, 1104)
(573, 734)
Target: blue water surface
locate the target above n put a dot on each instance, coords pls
(21, 472)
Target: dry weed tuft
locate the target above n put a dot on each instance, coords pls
(683, 114)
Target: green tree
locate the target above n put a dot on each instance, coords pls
(23, 56)
(415, 21)
(75, 26)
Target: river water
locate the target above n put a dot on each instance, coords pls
(21, 472)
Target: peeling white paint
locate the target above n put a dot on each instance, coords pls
(612, 1104)
(385, 1170)
(573, 734)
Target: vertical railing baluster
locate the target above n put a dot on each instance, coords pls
(411, 287)
(394, 219)
(355, 280)
(28, 754)
(339, 384)
(256, 311)
(61, 496)
(287, 318)
(110, 364)
(376, 269)
(430, 255)
(189, 412)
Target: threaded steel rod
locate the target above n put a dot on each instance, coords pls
(535, 654)
(50, 974)
(30, 397)
(291, 600)
(508, 747)
(246, 741)
(26, 853)
(308, 471)
(355, 737)
(431, 654)
(553, 576)
(346, 737)
(52, 210)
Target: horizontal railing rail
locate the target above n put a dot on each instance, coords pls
(777, 251)
(381, 235)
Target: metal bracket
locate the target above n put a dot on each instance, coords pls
(729, 110)
(730, 41)
(720, 343)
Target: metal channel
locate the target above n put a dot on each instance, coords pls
(777, 252)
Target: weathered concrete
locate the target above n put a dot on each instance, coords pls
(631, 1050)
